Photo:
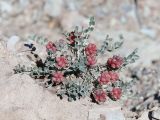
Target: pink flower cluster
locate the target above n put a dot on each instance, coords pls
(116, 93)
(57, 77)
(74, 58)
(107, 77)
(91, 60)
(91, 51)
(61, 62)
(100, 95)
(51, 46)
(115, 62)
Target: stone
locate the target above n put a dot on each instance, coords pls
(11, 43)
(24, 3)
(23, 99)
(5, 6)
(113, 22)
(123, 20)
(53, 8)
(72, 5)
(106, 113)
(144, 116)
(149, 32)
(156, 114)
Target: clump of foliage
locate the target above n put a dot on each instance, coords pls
(72, 64)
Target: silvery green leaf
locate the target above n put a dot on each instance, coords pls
(86, 30)
(70, 99)
(118, 45)
(131, 58)
(91, 29)
(92, 21)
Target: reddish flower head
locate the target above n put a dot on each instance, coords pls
(104, 78)
(91, 60)
(51, 46)
(116, 93)
(61, 61)
(114, 76)
(100, 96)
(57, 77)
(91, 49)
(115, 62)
(72, 38)
(107, 77)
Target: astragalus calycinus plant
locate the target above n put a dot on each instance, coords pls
(71, 64)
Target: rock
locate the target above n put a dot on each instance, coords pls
(113, 22)
(97, 2)
(149, 32)
(5, 6)
(53, 8)
(23, 99)
(24, 3)
(106, 113)
(153, 114)
(11, 43)
(72, 5)
(123, 20)
(127, 7)
(129, 115)
(144, 116)
(156, 114)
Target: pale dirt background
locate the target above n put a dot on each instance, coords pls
(21, 98)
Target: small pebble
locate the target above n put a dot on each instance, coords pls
(11, 43)
(149, 32)
(156, 114)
